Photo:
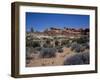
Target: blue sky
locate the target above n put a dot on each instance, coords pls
(41, 21)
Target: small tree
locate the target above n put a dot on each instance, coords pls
(56, 43)
(48, 42)
(35, 44)
(32, 30)
(64, 42)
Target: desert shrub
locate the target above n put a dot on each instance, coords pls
(85, 57)
(86, 45)
(29, 40)
(60, 50)
(73, 60)
(47, 52)
(83, 48)
(35, 51)
(28, 43)
(47, 45)
(38, 48)
(35, 44)
(48, 42)
(56, 43)
(82, 58)
(58, 47)
(79, 47)
(76, 47)
(27, 61)
(73, 46)
(64, 42)
(28, 56)
(82, 40)
(73, 40)
(68, 45)
(29, 50)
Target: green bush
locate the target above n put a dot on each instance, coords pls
(35, 44)
(56, 43)
(64, 42)
(48, 42)
(82, 40)
(28, 43)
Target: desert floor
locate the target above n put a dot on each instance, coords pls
(56, 61)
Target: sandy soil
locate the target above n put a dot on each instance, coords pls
(58, 60)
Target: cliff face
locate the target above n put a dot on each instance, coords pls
(56, 32)
(67, 31)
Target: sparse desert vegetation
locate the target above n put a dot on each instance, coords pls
(44, 49)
